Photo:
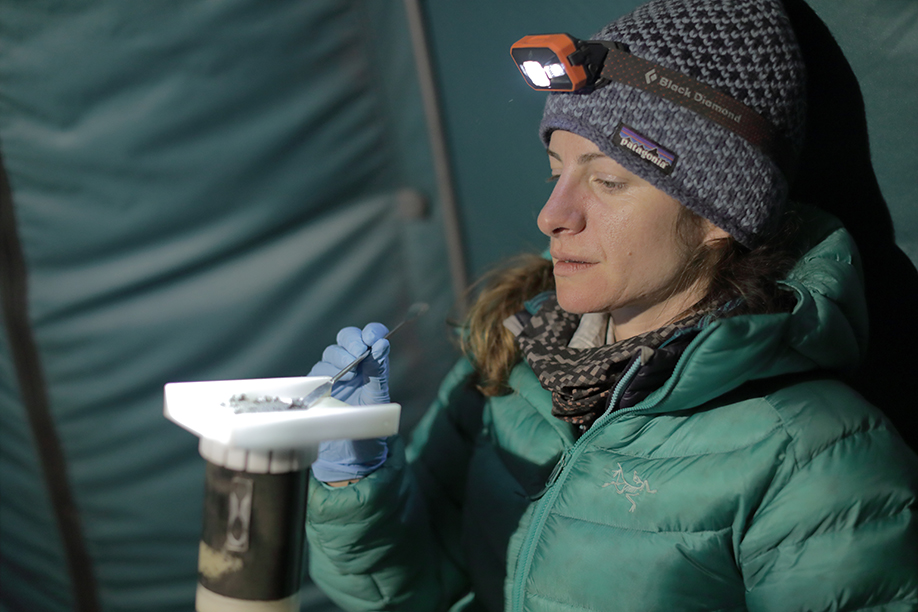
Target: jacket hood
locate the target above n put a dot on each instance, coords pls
(827, 329)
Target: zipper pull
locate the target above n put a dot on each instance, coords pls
(552, 477)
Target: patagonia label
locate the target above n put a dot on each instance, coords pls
(641, 146)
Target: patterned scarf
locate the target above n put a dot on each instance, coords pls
(580, 380)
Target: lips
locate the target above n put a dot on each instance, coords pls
(567, 265)
(570, 258)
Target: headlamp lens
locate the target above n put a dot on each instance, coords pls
(545, 62)
(539, 76)
(543, 69)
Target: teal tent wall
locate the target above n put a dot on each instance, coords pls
(200, 190)
(203, 190)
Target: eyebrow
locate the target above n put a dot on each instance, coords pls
(583, 159)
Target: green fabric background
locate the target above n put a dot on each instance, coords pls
(203, 190)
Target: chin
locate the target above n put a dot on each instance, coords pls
(578, 304)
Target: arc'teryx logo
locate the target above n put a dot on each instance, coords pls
(629, 490)
(650, 76)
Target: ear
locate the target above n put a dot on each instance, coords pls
(713, 234)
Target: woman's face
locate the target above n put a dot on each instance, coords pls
(614, 240)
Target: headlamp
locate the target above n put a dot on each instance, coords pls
(560, 62)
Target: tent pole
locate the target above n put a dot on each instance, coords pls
(442, 167)
(32, 389)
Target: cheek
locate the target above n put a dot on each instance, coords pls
(642, 245)
(626, 237)
(613, 229)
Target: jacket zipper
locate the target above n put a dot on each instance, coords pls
(549, 494)
(560, 472)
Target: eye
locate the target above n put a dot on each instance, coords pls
(553, 178)
(609, 185)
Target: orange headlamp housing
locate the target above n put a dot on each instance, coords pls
(545, 62)
(559, 62)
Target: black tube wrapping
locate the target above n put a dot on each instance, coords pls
(252, 540)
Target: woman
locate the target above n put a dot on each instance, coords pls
(649, 420)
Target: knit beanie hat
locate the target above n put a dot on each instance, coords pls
(745, 49)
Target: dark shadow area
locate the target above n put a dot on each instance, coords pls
(836, 174)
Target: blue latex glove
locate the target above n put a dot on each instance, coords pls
(348, 459)
(368, 383)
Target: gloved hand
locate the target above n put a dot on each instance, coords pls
(348, 459)
(368, 383)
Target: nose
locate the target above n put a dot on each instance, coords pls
(563, 212)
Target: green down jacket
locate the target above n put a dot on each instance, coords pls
(751, 480)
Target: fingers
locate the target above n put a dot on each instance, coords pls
(350, 339)
(372, 335)
(351, 343)
(323, 368)
(356, 341)
(373, 332)
(380, 350)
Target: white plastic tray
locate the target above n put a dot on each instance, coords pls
(196, 406)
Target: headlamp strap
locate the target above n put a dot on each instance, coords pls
(671, 85)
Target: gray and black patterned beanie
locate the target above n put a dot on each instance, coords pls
(745, 49)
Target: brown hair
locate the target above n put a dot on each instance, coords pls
(749, 277)
(734, 271)
(485, 341)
